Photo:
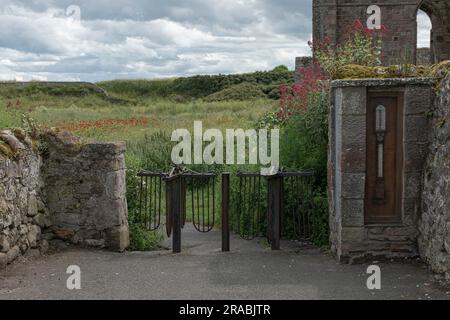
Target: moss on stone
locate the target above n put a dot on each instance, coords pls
(20, 134)
(438, 71)
(5, 150)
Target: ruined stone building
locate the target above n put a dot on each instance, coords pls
(332, 19)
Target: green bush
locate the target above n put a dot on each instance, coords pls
(150, 153)
(203, 86)
(196, 87)
(162, 88)
(304, 140)
(304, 146)
(319, 219)
(9, 119)
(33, 89)
(140, 238)
(240, 92)
(281, 68)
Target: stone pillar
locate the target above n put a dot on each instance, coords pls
(352, 238)
(434, 241)
(86, 192)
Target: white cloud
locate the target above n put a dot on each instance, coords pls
(149, 38)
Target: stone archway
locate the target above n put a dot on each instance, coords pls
(439, 13)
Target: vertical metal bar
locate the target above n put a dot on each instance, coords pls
(239, 207)
(258, 206)
(275, 186)
(140, 199)
(192, 202)
(249, 213)
(203, 206)
(150, 214)
(281, 205)
(176, 236)
(225, 212)
(213, 201)
(183, 202)
(155, 203)
(160, 199)
(208, 182)
(146, 202)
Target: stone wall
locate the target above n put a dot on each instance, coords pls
(332, 20)
(351, 238)
(424, 57)
(21, 205)
(64, 190)
(434, 241)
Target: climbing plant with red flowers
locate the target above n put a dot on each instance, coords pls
(362, 47)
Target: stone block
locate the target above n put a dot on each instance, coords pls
(118, 238)
(353, 186)
(63, 234)
(415, 155)
(352, 213)
(13, 253)
(115, 184)
(353, 130)
(4, 243)
(109, 213)
(354, 101)
(32, 204)
(354, 236)
(34, 236)
(413, 185)
(3, 260)
(416, 129)
(419, 100)
(353, 158)
(42, 220)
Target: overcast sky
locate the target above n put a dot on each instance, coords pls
(45, 40)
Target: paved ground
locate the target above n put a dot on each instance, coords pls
(250, 271)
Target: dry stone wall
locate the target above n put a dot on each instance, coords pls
(434, 241)
(64, 190)
(21, 206)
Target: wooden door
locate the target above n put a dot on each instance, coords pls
(384, 158)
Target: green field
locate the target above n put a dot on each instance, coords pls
(159, 114)
(144, 113)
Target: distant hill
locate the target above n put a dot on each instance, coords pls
(197, 87)
(247, 86)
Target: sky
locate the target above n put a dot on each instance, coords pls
(86, 40)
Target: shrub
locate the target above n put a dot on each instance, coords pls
(150, 153)
(240, 92)
(139, 88)
(195, 87)
(203, 86)
(304, 140)
(281, 69)
(142, 239)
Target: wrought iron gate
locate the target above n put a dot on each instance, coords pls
(263, 204)
(266, 203)
(179, 190)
